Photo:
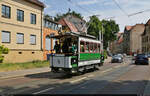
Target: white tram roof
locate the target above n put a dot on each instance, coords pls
(77, 34)
(82, 36)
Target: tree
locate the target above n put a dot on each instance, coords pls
(109, 29)
(95, 25)
(48, 17)
(59, 16)
(109, 32)
(3, 50)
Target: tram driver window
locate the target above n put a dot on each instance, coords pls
(82, 47)
(87, 47)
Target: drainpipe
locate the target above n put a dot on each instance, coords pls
(41, 29)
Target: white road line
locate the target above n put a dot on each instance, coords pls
(78, 80)
(43, 91)
(107, 70)
(117, 66)
(90, 75)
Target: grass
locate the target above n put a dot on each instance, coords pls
(20, 66)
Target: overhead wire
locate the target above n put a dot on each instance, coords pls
(120, 7)
(70, 1)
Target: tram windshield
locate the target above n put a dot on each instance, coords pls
(66, 45)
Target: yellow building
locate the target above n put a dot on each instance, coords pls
(21, 29)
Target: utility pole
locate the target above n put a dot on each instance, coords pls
(101, 39)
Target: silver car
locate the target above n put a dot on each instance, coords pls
(117, 59)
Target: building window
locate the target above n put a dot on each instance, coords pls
(5, 11)
(48, 43)
(20, 38)
(5, 37)
(33, 18)
(20, 15)
(32, 39)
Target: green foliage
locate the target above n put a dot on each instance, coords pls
(105, 54)
(95, 26)
(108, 27)
(47, 17)
(59, 16)
(3, 50)
(110, 30)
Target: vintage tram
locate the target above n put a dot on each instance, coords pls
(86, 53)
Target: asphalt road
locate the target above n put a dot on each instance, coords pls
(116, 78)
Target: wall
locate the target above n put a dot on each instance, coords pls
(25, 27)
(47, 32)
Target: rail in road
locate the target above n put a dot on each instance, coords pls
(34, 81)
(102, 81)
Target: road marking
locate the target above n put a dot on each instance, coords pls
(78, 80)
(43, 91)
(117, 66)
(110, 69)
(90, 75)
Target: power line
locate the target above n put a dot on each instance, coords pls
(120, 7)
(70, 1)
(140, 12)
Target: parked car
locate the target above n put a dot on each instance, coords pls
(141, 59)
(117, 59)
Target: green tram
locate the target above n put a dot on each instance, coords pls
(86, 53)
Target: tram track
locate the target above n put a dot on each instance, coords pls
(25, 84)
(83, 79)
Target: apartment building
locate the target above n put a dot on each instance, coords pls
(126, 39)
(133, 39)
(146, 38)
(51, 28)
(21, 29)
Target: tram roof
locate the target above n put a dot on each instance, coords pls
(76, 34)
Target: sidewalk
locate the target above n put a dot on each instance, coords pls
(11, 74)
(108, 60)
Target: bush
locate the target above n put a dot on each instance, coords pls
(1, 58)
(3, 50)
(105, 54)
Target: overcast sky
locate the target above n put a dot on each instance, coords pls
(104, 8)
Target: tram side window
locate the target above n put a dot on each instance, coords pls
(91, 47)
(87, 47)
(98, 49)
(82, 47)
(95, 47)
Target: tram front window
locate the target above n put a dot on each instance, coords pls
(69, 45)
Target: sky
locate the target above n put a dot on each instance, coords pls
(104, 8)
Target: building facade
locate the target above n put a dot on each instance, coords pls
(136, 38)
(51, 28)
(21, 29)
(116, 46)
(133, 39)
(126, 39)
(146, 39)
